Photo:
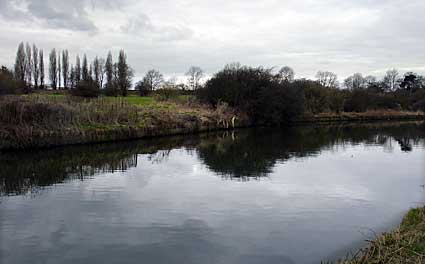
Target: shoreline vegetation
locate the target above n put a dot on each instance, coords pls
(403, 245)
(43, 120)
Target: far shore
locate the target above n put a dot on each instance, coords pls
(64, 122)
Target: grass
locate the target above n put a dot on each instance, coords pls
(29, 119)
(405, 245)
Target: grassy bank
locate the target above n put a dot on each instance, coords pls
(375, 115)
(405, 245)
(52, 119)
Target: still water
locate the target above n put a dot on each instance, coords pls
(298, 195)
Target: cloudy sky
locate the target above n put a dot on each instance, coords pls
(367, 36)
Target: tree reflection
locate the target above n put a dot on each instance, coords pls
(253, 153)
(240, 155)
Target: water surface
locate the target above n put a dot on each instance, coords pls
(298, 195)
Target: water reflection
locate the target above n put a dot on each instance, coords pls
(239, 155)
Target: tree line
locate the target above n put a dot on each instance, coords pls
(265, 94)
(277, 97)
(83, 77)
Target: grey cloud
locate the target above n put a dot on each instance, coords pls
(367, 36)
(61, 14)
(142, 25)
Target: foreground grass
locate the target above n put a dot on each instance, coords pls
(404, 245)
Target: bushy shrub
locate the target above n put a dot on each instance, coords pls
(165, 94)
(112, 90)
(86, 88)
(8, 85)
(419, 105)
(257, 92)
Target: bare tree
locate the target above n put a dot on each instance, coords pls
(77, 70)
(85, 69)
(101, 73)
(109, 70)
(35, 65)
(370, 80)
(286, 73)
(327, 79)
(41, 57)
(59, 69)
(99, 70)
(28, 64)
(390, 80)
(153, 80)
(65, 68)
(20, 65)
(53, 69)
(354, 82)
(195, 75)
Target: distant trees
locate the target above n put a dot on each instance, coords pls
(390, 81)
(152, 80)
(355, 81)
(41, 68)
(59, 69)
(35, 65)
(20, 70)
(99, 70)
(194, 76)
(286, 74)
(412, 82)
(65, 68)
(327, 79)
(28, 64)
(256, 92)
(125, 74)
(53, 69)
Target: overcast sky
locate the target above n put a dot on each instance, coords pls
(367, 36)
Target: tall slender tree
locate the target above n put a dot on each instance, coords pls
(53, 69)
(28, 64)
(125, 73)
(77, 70)
(35, 66)
(85, 69)
(65, 68)
(97, 71)
(41, 59)
(59, 69)
(109, 70)
(20, 69)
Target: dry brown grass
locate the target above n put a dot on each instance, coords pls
(405, 245)
(24, 118)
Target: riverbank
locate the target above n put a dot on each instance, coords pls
(404, 245)
(369, 116)
(40, 121)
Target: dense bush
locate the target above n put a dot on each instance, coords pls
(8, 85)
(263, 96)
(87, 88)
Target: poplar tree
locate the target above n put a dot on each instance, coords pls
(53, 69)
(35, 65)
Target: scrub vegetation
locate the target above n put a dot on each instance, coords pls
(405, 245)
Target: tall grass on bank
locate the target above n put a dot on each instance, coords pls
(405, 245)
(64, 112)
(25, 120)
